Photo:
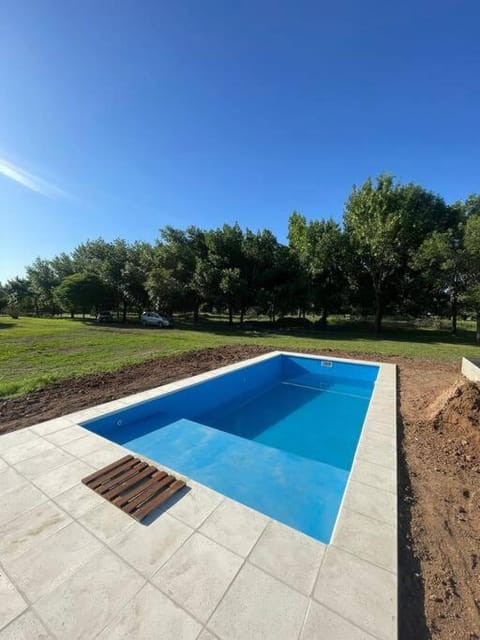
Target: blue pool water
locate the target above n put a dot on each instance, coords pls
(278, 435)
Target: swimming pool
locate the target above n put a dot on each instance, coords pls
(278, 435)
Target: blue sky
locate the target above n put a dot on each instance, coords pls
(117, 118)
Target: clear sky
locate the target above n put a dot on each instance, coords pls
(117, 118)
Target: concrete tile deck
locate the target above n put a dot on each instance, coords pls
(26, 627)
(203, 567)
(10, 480)
(78, 500)
(147, 548)
(27, 450)
(358, 591)
(18, 500)
(87, 601)
(198, 575)
(259, 606)
(48, 563)
(332, 626)
(152, 615)
(235, 526)
(41, 463)
(289, 556)
(30, 528)
(11, 602)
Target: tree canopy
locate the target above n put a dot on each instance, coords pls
(400, 249)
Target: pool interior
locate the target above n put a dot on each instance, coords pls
(278, 435)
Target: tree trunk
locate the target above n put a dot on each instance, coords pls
(378, 312)
(230, 314)
(72, 314)
(324, 317)
(454, 314)
(124, 312)
(242, 314)
(195, 313)
(477, 336)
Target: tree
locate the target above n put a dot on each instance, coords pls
(385, 223)
(82, 292)
(91, 257)
(165, 290)
(62, 266)
(372, 223)
(172, 277)
(440, 264)
(105, 260)
(259, 250)
(233, 287)
(3, 298)
(43, 281)
(279, 292)
(221, 273)
(320, 248)
(19, 295)
(471, 205)
(135, 274)
(471, 296)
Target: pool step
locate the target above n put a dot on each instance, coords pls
(132, 485)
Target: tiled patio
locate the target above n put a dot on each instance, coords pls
(205, 567)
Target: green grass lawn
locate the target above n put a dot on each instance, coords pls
(35, 351)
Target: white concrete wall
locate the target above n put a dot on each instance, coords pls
(470, 370)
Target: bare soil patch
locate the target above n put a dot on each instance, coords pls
(439, 473)
(64, 397)
(441, 506)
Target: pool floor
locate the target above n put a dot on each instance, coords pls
(320, 424)
(297, 491)
(286, 451)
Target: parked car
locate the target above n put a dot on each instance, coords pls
(155, 319)
(104, 316)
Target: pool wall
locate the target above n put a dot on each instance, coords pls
(199, 394)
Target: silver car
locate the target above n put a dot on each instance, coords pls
(155, 319)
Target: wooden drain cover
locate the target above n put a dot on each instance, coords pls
(133, 486)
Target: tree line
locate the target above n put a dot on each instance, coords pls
(401, 249)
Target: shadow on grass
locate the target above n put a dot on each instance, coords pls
(412, 622)
(130, 323)
(7, 325)
(338, 332)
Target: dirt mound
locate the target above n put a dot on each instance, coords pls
(443, 450)
(460, 412)
(456, 416)
(431, 411)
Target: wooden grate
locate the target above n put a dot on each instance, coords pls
(134, 486)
